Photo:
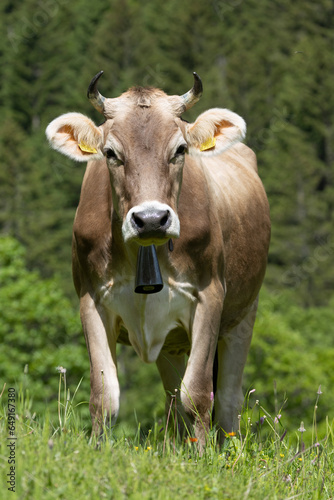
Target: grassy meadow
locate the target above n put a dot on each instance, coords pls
(54, 458)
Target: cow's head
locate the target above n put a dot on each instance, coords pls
(144, 142)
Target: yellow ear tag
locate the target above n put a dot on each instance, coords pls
(210, 143)
(86, 149)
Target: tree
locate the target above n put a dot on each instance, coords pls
(291, 355)
(37, 326)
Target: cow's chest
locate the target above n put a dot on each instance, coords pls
(151, 321)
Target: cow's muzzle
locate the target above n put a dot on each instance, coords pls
(151, 223)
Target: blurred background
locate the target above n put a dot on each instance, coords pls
(271, 62)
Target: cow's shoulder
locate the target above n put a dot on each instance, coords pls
(243, 154)
(197, 252)
(233, 176)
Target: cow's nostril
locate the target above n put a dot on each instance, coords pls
(138, 221)
(164, 219)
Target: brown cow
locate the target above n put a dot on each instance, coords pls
(153, 177)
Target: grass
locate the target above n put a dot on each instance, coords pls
(57, 459)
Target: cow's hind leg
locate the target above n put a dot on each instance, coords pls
(171, 369)
(104, 397)
(232, 355)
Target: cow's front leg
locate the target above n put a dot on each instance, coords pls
(104, 396)
(232, 355)
(197, 385)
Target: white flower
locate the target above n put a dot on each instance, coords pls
(301, 428)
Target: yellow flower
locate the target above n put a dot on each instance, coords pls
(232, 434)
(136, 448)
(281, 455)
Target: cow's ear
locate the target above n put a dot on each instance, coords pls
(214, 131)
(76, 136)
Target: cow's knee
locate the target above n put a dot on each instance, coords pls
(104, 408)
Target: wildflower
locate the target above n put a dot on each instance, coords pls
(262, 420)
(251, 391)
(212, 396)
(302, 428)
(281, 455)
(232, 434)
(319, 390)
(148, 448)
(300, 459)
(276, 419)
(61, 369)
(136, 448)
(191, 440)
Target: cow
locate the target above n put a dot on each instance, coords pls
(191, 191)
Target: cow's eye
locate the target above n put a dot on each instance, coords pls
(181, 150)
(110, 154)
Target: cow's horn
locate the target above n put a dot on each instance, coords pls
(193, 95)
(94, 95)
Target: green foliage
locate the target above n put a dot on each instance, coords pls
(39, 329)
(291, 355)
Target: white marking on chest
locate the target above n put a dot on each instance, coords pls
(149, 318)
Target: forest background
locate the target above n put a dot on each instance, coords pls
(272, 62)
